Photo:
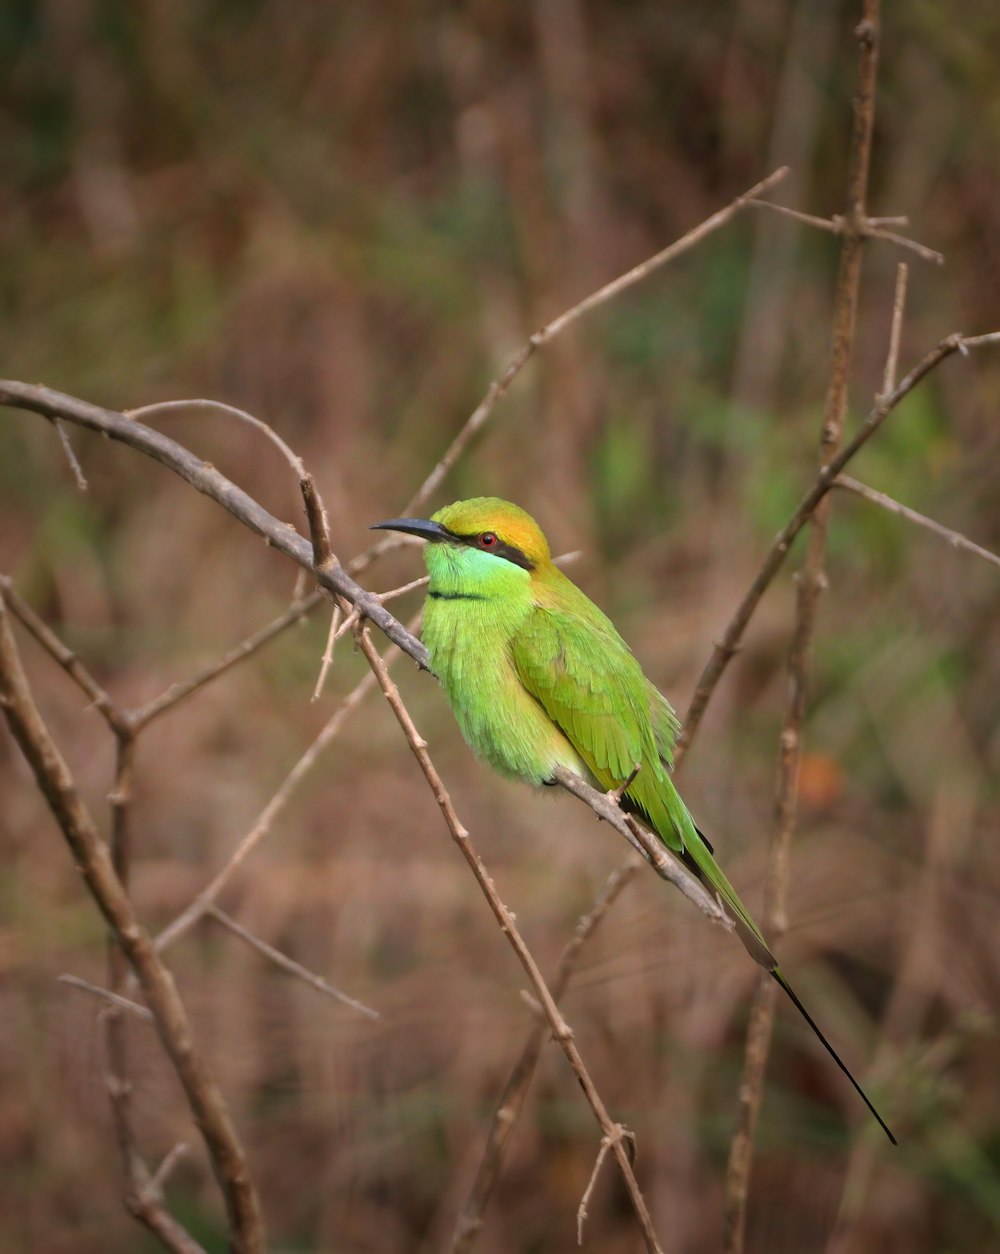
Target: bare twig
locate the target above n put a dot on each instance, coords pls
(327, 660)
(499, 386)
(170, 1160)
(232, 411)
(319, 530)
(114, 999)
(62, 654)
(895, 329)
(212, 483)
(870, 228)
(560, 1028)
(607, 1141)
(262, 825)
(74, 464)
(954, 538)
(515, 1090)
(728, 644)
(287, 964)
(176, 693)
(94, 861)
(811, 583)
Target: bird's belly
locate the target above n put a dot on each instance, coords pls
(500, 720)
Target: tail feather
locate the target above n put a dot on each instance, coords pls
(780, 979)
(707, 871)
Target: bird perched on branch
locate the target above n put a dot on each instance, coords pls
(539, 678)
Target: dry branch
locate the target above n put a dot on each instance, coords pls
(810, 585)
(508, 1111)
(868, 228)
(954, 538)
(284, 963)
(502, 382)
(726, 647)
(93, 859)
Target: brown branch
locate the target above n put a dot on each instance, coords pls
(231, 411)
(868, 228)
(67, 448)
(557, 1023)
(62, 654)
(287, 964)
(954, 538)
(180, 691)
(262, 825)
(728, 644)
(895, 329)
(105, 994)
(94, 861)
(515, 1091)
(811, 583)
(621, 1133)
(499, 386)
(206, 479)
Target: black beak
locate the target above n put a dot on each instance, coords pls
(421, 527)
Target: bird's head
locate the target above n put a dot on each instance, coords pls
(484, 524)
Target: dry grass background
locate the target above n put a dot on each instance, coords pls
(344, 219)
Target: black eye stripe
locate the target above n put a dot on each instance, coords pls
(499, 548)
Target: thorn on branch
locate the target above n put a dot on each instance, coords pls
(319, 531)
(621, 1134)
(616, 794)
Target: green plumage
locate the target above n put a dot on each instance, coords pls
(538, 677)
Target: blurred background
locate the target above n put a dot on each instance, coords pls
(345, 218)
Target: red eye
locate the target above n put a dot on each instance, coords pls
(487, 539)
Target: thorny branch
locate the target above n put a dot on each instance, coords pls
(94, 860)
(515, 1090)
(954, 538)
(810, 585)
(502, 382)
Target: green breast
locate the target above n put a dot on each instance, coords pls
(468, 631)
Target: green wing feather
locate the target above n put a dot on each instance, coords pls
(576, 665)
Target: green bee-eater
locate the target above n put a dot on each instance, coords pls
(539, 678)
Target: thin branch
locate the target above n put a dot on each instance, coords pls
(499, 386)
(206, 479)
(870, 228)
(560, 1028)
(262, 825)
(515, 1091)
(287, 964)
(327, 660)
(93, 859)
(323, 557)
(811, 584)
(895, 329)
(185, 688)
(166, 1167)
(114, 999)
(903, 241)
(954, 538)
(620, 1133)
(729, 642)
(62, 654)
(74, 464)
(232, 411)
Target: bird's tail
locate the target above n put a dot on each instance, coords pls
(697, 856)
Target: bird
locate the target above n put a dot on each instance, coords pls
(538, 678)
